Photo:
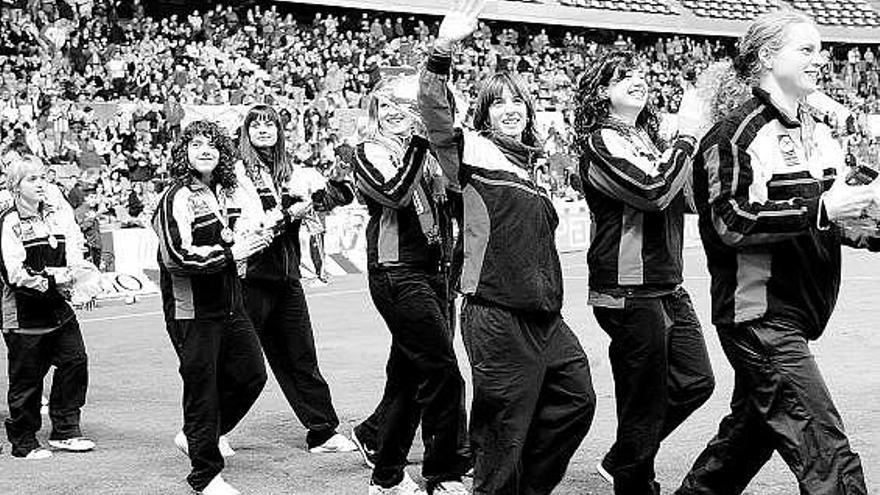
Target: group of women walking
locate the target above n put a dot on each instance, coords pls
(764, 182)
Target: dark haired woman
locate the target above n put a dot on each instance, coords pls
(220, 359)
(394, 170)
(533, 395)
(270, 200)
(637, 202)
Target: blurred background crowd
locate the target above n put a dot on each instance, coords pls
(100, 88)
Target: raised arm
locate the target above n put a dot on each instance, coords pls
(381, 180)
(436, 103)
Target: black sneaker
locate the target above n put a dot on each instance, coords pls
(368, 454)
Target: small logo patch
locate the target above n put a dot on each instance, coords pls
(787, 148)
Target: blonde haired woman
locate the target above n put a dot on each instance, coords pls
(42, 268)
(769, 190)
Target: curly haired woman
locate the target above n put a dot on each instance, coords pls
(220, 360)
(636, 195)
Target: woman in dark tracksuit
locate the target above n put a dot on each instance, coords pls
(220, 359)
(533, 395)
(636, 197)
(269, 200)
(397, 178)
(40, 255)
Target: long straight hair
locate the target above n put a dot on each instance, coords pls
(492, 89)
(279, 164)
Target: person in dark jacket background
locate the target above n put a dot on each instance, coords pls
(533, 395)
(637, 200)
(266, 201)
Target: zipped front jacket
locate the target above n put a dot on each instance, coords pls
(401, 207)
(251, 206)
(197, 274)
(758, 181)
(637, 204)
(29, 244)
(510, 257)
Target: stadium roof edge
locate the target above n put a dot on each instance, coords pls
(555, 14)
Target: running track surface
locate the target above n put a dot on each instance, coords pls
(134, 411)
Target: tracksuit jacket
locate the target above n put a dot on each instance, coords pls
(637, 201)
(197, 274)
(251, 206)
(398, 208)
(758, 189)
(502, 267)
(31, 302)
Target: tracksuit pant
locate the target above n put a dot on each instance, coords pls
(423, 379)
(533, 398)
(662, 374)
(281, 318)
(223, 374)
(780, 403)
(29, 359)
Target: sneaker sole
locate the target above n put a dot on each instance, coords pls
(68, 448)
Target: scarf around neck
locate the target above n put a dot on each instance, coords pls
(519, 153)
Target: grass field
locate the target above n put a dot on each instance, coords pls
(134, 411)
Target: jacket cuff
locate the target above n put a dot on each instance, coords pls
(688, 143)
(439, 64)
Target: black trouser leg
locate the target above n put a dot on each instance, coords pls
(562, 417)
(423, 374)
(782, 403)
(28, 364)
(532, 395)
(242, 373)
(368, 430)
(69, 381)
(281, 318)
(691, 381)
(661, 375)
(210, 353)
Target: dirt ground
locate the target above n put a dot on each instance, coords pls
(134, 411)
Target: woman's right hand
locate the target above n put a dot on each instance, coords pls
(459, 24)
(247, 245)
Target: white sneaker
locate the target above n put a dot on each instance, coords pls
(450, 488)
(604, 473)
(78, 444)
(218, 486)
(37, 454)
(223, 444)
(406, 487)
(336, 443)
(226, 450)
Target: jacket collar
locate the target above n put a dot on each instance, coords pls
(784, 118)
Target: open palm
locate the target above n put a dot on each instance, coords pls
(461, 22)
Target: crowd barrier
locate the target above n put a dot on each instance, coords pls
(132, 251)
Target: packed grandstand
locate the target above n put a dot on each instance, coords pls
(100, 88)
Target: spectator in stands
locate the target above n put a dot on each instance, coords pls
(635, 190)
(774, 255)
(267, 201)
(532, 405)
(42, 269)
(88, 219)
(220, 360)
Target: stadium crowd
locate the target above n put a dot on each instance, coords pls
(63, 64)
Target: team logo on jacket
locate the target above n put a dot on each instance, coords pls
(787, 147)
